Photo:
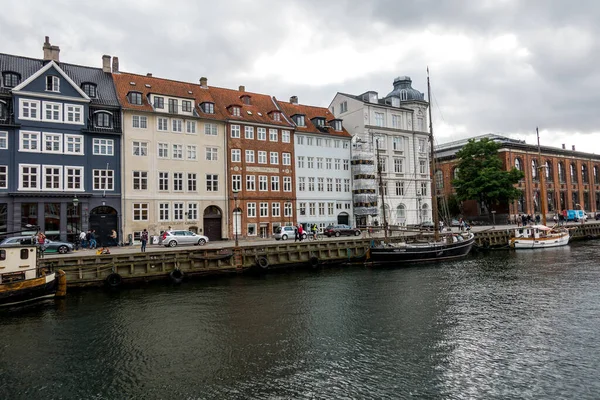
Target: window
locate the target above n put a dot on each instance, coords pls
(401, 212)
(382, 164)
(251, 209)
(250, 182)
(346, 185)
(439, 179)
(261, 133)
(178, 181)
(211, 154)
(159, 102)
(11, 79)
(337, 163)
(422, 166)
(235, 111)
(319, 162)
(275, 183)
(52, 112)
(52, 83)
(320, 185)
(300, 161)
(285, 136)
(299, 119)
(338, 184)
(173, 106)
(534, 169)
(74, 114)
(276, 116)
(177, 125)
(379, 121)
(186, 106)
(301, 184)
(262, 157)
(208, 108)
(29, 109)
(398, 165)
(263, 184)
(140, 180)
(163, 211)
(273, 135)
(423, 189)
(398, 143)
(287, 209)
(210, 129)
(190, 126)
(177, 152)
(264, 209)
(422, 146)
(192, 180)
(52, 177)
(30, 141)
(104, 147)
(236, 155)
(163, 150)
(286, 159)
(399, 188)
(73, 144)
(52, 142)
(310, 162)
(330, 184)
(309, 141)
(330, 208)
(140, 121)
(163, 124)
(177, 211)
(134, 98)
(343, 107)
(321, 208)
(192, 153)
(311, 209)
(249, 132)
(287, 183)
(192, 213)
(74, 178)
(275, 209)
(235, 131)
(573, 171)
(89, 89)
(319, 142)
(102, 120)
(140, 211)
(249, 156)
(163, 181)
(236, 183)
(300, 139)
(28, 176)
(396, 121)
(311, 184)
(103, 179)
(274, 157)
(140, 148)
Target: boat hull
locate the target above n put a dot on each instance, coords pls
(420, 253)
(539, 243)
(28, 290)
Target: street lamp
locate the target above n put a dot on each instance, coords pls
(74, 225)
(235, 216)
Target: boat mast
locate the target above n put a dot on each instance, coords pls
(434, 205)
(379, 174)
(542, 172)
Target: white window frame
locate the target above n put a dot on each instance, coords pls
(177, 151)
(56, 108)
(236, 183)
(287, 183)
(161, 149)
(273, 135)
(262, 157)
(140, 147)
(212, 153)
(139, 122)
(139, 210)
(285, 136)
(53, 138)
(58, 176)
(162, 124)
(275, 187)
(76, 141)
(235, 131)
(192, 182)
(176, 125)
(190, 127)
(3, 176)
(34, 137)
(261, 134)
(36, 174)
(274, 158)
(192, 152)
(251, 183)
(164, 211)
(286, 159)
(263, 183)
(178, 211)
(263, 208)
(192, 211)
(30, 108)
(3, 140)
(250, 156)
(141, 177)
(106, 144)
(251, 207)
(248, 132)
(211, 129)
(106, 176)
(236, 155)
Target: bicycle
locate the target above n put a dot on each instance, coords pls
(313, 237)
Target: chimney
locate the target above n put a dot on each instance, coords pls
(563, 146)
(106, 63)
(294, 100)
(51, 53)
(203, 83)
(573, 147)
(149, 74)
(115, 65)
(242, 88)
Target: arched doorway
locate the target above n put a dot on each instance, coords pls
(343, 218)
(212, 222)
(104, 219)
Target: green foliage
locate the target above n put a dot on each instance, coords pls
(482, 177)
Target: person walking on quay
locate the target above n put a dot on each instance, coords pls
(144, 239)
(296, 233)
(314, 231)
(300, 232)
(93, 243)
(113, 237)
(82, 239)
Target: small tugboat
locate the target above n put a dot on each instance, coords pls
(21, 278)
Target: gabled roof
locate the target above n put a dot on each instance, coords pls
(26, 67)
(311, 112)
(165, 87)
(40, 72)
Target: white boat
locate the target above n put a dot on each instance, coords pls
(539, 237)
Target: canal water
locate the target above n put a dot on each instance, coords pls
(503, 325)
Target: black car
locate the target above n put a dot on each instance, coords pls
(338, 230)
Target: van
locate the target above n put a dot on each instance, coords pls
(576, 215)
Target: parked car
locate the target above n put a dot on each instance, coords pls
(338, 230)
(49, 245)
(175, 238)
(427, 225)
(286, 232)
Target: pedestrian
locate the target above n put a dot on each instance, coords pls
(82, 241)
(300, 232)
(113, 237)
(144, 239)
(537, 219)
(296, 233)
(93, 243)
(523, 220)
(314, 231)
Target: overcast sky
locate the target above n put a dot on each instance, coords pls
(497, 66)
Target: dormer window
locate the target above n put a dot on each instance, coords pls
(89, 89)
(245, 99)
(276, 116)
(395, 102)
(134, 98)
(102, 119)
(186, 106)
(235, 111)
(208, 108)
(11, 79)
(299, 120)
(337, 124)
(403, 95)
(52, 83)
(173, 106)
(3, 111)
(319, 122)
(159, 102)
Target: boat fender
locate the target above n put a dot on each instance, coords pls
(61, 277)
(176, 276)
(313, 262)
(262, 262)
(114, 280)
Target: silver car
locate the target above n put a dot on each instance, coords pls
(49, 245)
(175, 238)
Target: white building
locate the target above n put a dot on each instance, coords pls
(397, 125)
(323, 174)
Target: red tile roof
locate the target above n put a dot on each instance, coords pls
(309, 113)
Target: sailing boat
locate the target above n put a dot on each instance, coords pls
(444, 246)
(540, 236)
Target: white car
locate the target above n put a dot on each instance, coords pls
(175, 238)
(285, 232)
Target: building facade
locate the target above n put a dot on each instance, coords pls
(392, 129)
(322, 164)
(173, 157)
(60, 135)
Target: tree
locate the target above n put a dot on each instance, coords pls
(482, 177)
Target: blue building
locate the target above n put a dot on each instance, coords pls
(60, 145)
